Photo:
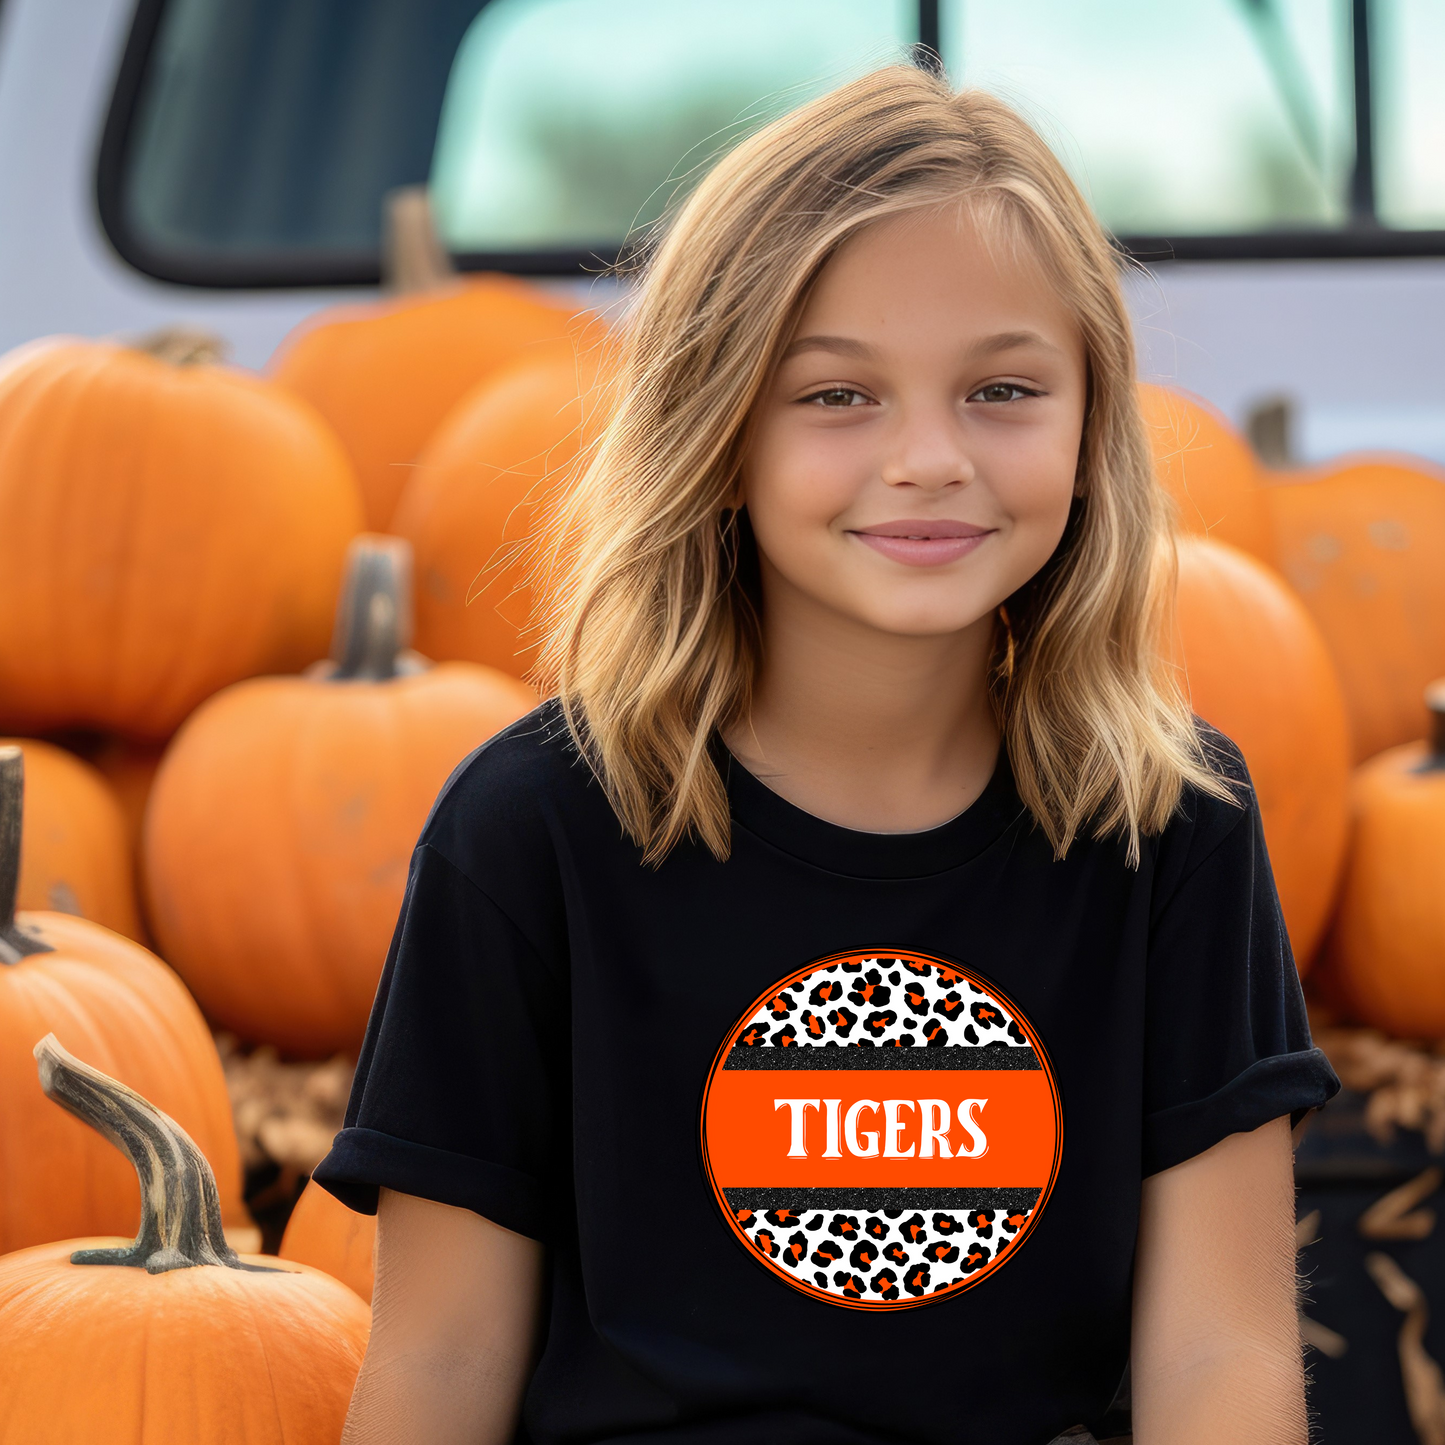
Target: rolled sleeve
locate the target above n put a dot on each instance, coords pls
(1228, 1045)
(460, 1088)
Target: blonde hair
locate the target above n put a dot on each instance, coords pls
(651, 630)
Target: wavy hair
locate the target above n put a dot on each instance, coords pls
(651, 635)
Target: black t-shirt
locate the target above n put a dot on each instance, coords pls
(839, 1141)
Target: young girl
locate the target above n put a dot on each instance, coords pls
(856, 1008)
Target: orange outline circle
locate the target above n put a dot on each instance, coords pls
(730, 1038)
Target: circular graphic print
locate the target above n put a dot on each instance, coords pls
(882, 1129)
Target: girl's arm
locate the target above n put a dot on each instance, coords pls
(454, 1318)
(1216, 1353)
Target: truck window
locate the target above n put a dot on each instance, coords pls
(1411, 114)
(568, 124)
(1210, 118)
(250, 142)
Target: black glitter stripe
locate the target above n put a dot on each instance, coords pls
(824, 1056)
(874, 1201)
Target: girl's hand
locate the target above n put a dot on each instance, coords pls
(454, 1318)
(1216, 1353)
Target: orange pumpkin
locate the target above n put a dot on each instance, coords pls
(325, 1234)
(385, 373)
(192, 1342)
(1386, 951)
(74, 853)
(1363, 543)
(167, 527)
(477, 496)
(1208, 469)
(279, 919)
(1256, 668)
(119, 1004)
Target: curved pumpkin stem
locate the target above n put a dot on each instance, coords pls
(413, 258)
(15, 942)
(180, 1220)
(183, 346)
(373, 616)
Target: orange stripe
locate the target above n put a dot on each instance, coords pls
(748, 1138)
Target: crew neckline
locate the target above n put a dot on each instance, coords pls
(861, 854)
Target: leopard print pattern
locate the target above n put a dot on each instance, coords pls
(890, 1255)
(876, 1002)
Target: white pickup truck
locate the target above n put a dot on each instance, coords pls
(1278, 165)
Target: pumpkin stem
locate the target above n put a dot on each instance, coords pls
(183, 346)
(373, 615)
(413, 257)
(15, 942)
(180, 1210)
(1435, 701)
(1270, 428)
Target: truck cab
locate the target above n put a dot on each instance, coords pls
(1274, 171)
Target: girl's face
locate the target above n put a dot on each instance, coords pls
(913, 461)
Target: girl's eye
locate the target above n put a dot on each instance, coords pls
(1002, 391)
(838, 397)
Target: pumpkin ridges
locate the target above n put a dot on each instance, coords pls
(99, 457)
(135, 521)
(74, 839)
(1258, 670)
(1389, 926)
(163, 489)
(189, 622)
(402, 789)
(280, 735)
(379, 726)
(315, 1335)
(248, 626)
(42, 654)
(45, 651)
(479, 492)
(430, 348)
(188, 794)
(312, 756)
(1360, 543)
(302, 614)
(42, 658)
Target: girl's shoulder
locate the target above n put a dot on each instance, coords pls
(1204, 822)
(502, 808)
(534, 755)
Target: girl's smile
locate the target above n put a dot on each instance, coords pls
(922, 543)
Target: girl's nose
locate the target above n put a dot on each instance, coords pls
(928, 452)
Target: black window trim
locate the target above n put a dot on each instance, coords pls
(1362, 237)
